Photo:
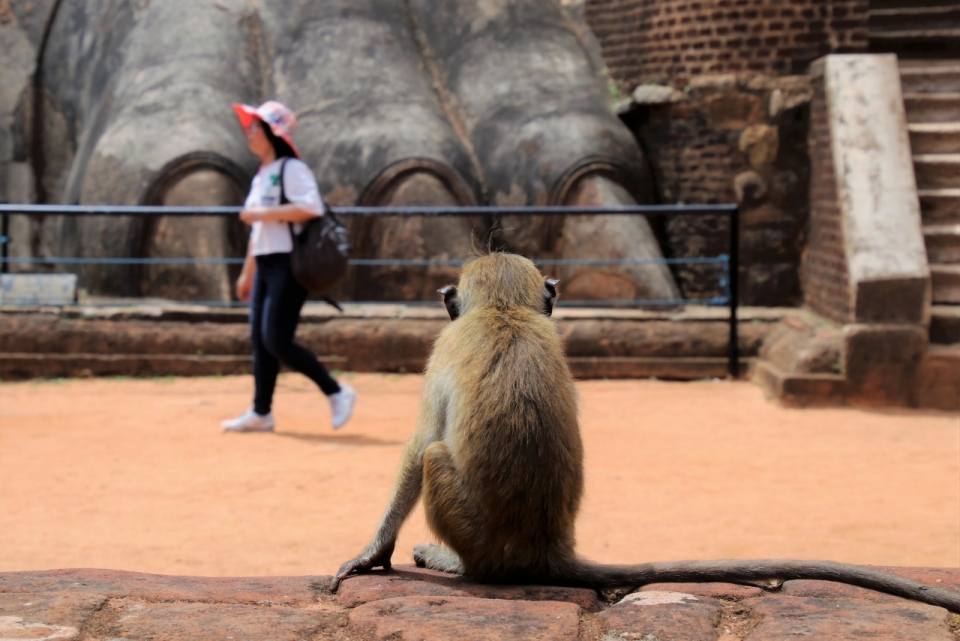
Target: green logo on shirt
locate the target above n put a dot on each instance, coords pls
(275, 180)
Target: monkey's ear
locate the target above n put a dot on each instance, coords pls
(450, 301)
(549, 295)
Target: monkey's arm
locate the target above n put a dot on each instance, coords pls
(406, 493)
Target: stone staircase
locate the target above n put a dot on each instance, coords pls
(915, 28)
(925, 35)
(931, 93)
(806, 361)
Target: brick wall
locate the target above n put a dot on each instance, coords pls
(826, 284)
(734, 138)
(660, 41)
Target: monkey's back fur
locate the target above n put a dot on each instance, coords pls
(509, 488)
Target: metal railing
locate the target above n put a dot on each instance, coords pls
(727, 264)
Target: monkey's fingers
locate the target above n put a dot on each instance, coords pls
(357, 566)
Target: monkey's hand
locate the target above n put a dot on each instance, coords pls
(377, 555)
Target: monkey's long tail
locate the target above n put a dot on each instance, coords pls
(587, 574)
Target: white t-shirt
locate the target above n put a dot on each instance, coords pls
(300, 186)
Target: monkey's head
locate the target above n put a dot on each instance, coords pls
(500, 280)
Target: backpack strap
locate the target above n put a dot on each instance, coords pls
(283, 192)
(283, 198)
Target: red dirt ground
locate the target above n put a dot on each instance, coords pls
(135, 475)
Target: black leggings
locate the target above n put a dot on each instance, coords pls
(274, 313)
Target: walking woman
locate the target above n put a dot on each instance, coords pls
(267, 278)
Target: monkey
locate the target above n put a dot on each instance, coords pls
(497, 459)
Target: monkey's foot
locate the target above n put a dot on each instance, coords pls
(437, 557)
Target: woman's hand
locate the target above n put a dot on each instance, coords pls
(245, 280)
(251, 215)
(244, 287)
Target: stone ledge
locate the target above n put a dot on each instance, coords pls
(679, 344)
(410, 603)
(129, 310)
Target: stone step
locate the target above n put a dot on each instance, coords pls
(917, 43)
(798, 390)
(932, 107)
(20, 366)
(940, 206)
(937, 171)
(937, 379)
(935, 137)
(946, 283)
(914, 18)
(943, 244)
(945, 324)
(929, 78)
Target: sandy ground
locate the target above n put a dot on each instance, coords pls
(136, 475)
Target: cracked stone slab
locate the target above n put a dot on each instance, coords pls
(192, 621)
(788, 617)
(662, 615)
(409, 580)
(424, 618)
(295, 590)
(54, 616)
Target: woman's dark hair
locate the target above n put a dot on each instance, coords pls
(280, 146)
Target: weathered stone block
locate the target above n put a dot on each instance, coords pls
(735, 110)
(761, 144)
(409, 581)
(876, 192)
(819, 618)
(54, 615)
(894, 300)
(467, 619)
(158, 587)
(937, 381)
(879, 362)
(662, 615)
(191, 621)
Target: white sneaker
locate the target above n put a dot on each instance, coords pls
(341, 405)
(249, 421)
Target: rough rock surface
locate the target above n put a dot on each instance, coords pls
(407, 603)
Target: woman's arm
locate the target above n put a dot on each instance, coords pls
(247, 274)
(289, 213)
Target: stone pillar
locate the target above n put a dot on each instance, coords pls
(866, 261)
(865, 265)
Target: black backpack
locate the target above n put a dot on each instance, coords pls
(320, 250)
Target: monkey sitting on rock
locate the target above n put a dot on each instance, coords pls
(498, 461)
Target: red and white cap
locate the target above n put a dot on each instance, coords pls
(276, 115)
